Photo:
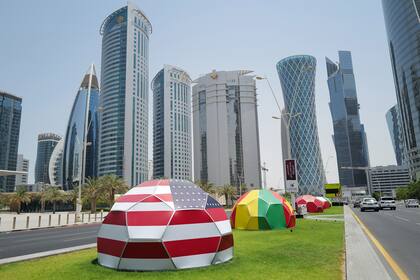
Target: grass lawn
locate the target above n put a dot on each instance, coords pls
(333, 210)
(314, 250)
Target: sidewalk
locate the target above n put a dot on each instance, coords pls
(13, 221)
(362, 261)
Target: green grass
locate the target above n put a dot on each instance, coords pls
(333, 210)
(314, 250)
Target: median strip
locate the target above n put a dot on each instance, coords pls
(391, 262)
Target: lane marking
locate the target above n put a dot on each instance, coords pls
(402, 219)
(391, 262)
(15, 242)
(418, 224)
(80, 238)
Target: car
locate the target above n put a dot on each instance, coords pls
(369, 203)
(356, 203)
(411, 203)
(387, 202)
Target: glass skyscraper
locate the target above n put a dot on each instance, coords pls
(403, 28)
(56, 164)
(46, 145)
(82, 129)
(123, 148)
(10, 114)
(225, 129)
(349, 133)
(172, 124)
(395, 132)
(297, 78)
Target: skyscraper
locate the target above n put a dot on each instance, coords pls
(172, 124)
(55, 167)
(225, 129)
(81, 162)
(46, 145)
(22, 165)
(10, 114)
(123, 148)
(394, 126)
(349, 133)
(297, 78)
(403, 28)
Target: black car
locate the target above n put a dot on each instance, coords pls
(356, 203)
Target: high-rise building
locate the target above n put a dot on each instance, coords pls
(10, 114)
(225, 129)
(80, 156)
(172, 124)
(55, 167)
(123, 148)
(46, 145)
(22, 165)
(393, 121)
(403, 28)
(297, 78)
(386, 179)
(349, 133)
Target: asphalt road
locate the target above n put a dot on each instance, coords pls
(399, 233)
(20, 243)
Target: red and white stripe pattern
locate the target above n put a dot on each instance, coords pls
(147, 230)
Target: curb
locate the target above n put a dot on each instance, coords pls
(46, 254)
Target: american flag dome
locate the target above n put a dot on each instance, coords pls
(163, 225)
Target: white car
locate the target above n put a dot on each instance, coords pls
(387, 202)
(369, 203)
(411, 203)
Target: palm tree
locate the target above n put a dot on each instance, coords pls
(54, 194)
(227, 191)
(19, 197)
(207, 187)
(42, 197)
(72, 196)
(92, 191)
(111, 185)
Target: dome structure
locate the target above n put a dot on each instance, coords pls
(326, 203)
(313, 204)
(261, 210)
(164, 225)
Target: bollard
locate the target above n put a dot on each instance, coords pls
(83, 217)
(89, 218)
(95, 216)
(49, 220)
(67, 220)
(59, 219)
(102, 214)
(39, 221)
(27, 221)
(14, 223)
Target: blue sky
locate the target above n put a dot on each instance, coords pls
(46, 47)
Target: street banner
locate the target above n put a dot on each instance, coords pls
(291, 176)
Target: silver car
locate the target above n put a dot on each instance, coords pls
(369, 203)
(411, 203)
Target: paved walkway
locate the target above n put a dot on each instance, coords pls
(362, 261)
(333, 218)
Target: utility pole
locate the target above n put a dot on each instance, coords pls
(265, 170)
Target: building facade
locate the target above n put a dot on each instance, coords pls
(225, 129)
(386, 179)
(172, 124)
(46, 145)
(55, 167)
(123, 148)
(80, 152)
(349, 133)
(297, 78)
(393, 121)
(10, 115)
(22, 165)
(403, 29)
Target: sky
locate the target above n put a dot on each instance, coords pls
(47, 46)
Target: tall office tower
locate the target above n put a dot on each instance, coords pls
(225, 129)
(297, 78)
(123, 148)
(403, 27)
(22, 165)
(172, 124)
(55, 167)
(10, 114)
(349, 133)
(46, 145)
(80, 156)
(393, 121)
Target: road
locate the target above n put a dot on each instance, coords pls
(399, 233)
(20, 243)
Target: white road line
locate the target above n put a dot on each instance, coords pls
(400, 218)
(80, 238)
(418, 224)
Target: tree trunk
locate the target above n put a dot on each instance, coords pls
(54, 207)
(226, 199)
(93, 206)
(111, 198)
(42, 206)
(18, 208)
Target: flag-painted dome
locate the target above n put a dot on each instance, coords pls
(162, 225)
(313, 204)
(262, 209)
